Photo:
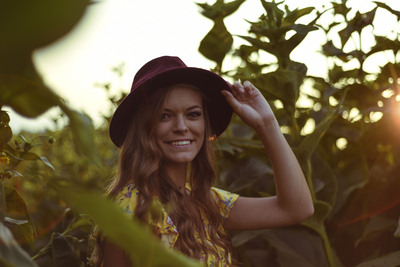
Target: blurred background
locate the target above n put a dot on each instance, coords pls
(129, 33)
(329, 69)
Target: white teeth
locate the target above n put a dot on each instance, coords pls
(180, 143)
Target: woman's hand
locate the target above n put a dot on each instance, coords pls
(250, 105)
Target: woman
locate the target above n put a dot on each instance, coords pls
(165, 128)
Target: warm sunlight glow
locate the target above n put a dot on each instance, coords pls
(285, 129)
(375, 116)
(397, 109)
(333, 101)
(308, 127)
(278, 104)
(354, 114)
(341, 143)
(317, 107)
(387, 93)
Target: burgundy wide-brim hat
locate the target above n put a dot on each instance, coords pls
(163, 72)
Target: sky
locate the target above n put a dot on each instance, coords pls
(131, 32)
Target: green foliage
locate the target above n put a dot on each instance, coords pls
(37, 227)
(11, 253)
(51, 182)
(356, 208)
(218, 41)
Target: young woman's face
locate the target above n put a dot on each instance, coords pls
(181, 129)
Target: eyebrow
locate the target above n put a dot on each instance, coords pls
(189, 108)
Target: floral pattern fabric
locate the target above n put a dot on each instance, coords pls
(165, 227)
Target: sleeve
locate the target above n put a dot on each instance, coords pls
(126, 199)
(225, 201)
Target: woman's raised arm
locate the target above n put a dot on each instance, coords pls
(292, 203)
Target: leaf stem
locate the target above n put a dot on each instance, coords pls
(328, 248)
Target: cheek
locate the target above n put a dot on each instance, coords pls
(159, 134)
(201, 130)
(160, 130)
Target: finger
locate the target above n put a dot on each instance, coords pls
(238, 86)
(249, 87)
(231, 99)
(234, 89)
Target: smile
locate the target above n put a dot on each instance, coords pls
(180, 143)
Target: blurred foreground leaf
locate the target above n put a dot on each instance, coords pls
(11, 254)
(28, 98)
(139, 243)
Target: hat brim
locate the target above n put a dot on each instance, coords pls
(209, 83)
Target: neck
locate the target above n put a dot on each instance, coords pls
(177, 173)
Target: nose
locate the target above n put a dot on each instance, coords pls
(180, 124)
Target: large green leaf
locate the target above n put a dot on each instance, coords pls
(324, 179)
(18, 218)
(31, 24)
(383, 43)
(362, 96)
(340, 8)
(217, 43)
(296, 39)
(220, 9)
(21, 156)
(28, 98)
(11, 254)
(22, 230)
(274, 13)
(134, 238)
(377, 196)
(330, 50)
(15, 205)
(292, 16)
(349, 178)
(281, 84)
(389, 260)
(243, 237)
(375, 226)
(63, 250)
(83, 131)
(5, 130)
(316, 222)
(310, 142)
(359, 22)
(249, 175)
(296, 248)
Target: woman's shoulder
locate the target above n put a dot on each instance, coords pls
(225, 200)
(223, 195)
(126, 197)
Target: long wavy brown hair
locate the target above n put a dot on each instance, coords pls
(141, 162)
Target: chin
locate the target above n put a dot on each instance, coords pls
(180, 160)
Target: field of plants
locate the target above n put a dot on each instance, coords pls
(346, 138)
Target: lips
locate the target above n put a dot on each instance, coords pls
(180, 142)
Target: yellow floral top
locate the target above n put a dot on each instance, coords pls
(168, 232)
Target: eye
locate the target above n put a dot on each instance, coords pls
(194, 114)
(164, 116)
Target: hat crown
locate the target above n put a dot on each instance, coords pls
(155, 67)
